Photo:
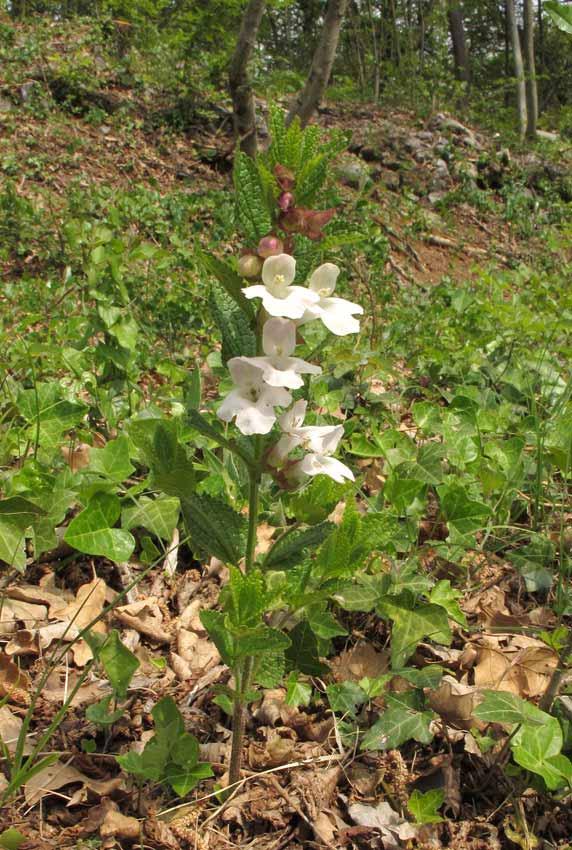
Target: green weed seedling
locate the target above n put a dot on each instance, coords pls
(119, 664)
(171, 756)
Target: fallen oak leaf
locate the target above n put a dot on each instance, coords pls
(15, 684)
(58, 775)
(145, 617)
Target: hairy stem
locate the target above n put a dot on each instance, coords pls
(244, 668)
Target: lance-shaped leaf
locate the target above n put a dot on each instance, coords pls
(230, 281)
(92, 530)
(214, 527)
(560, 14)
(251, 205)
(290, 549)
(238, 337)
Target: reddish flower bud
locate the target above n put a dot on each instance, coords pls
(308, 222)
(270, 246)
(285, 177)
(249, 266)
(285, 201)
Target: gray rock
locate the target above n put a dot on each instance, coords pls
(435, 197)
(353, 174)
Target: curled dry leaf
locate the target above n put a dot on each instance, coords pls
(146, 618)
(523, 666)
(23, 642)
(40, 595)
(201, 654)
(394, 829)
(455, 702)
(76, 456)
(15, 684)
(16, 614)
(116, 825)
(10, 727)
(87, 605)
(58, 775)
(359, 662)
(275, 751)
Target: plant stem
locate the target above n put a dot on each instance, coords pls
(244, 667)
(554, 685)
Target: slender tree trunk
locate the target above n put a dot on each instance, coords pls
(460, 50)
(531, 90)
(239, 81)
(309, 98)
(518, 66)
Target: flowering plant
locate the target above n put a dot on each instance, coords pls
(262, 307)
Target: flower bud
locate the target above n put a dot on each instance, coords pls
(285, 201)
(249, 266)
(270, 246)
(284, 177)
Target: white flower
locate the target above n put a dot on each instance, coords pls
(279, 298)
(278, 367)
(319, 439)
(335, 313)
(252, 401)
(315, 464)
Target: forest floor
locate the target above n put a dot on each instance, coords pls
(462, 224)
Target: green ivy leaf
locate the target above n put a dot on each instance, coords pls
(425, 807)
(159, 516)
(448, 598)
(112, 460)
(345, 697)
(402, 721)
(172, 471)
(464, 515)
(45, 407)
(412, 623)
(302, 654)
(92, 530)
(297, 692)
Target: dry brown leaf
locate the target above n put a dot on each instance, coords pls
(521, 665)
(14, 683)
(200, 653)
(145, 617)
(10, 727)
(58, 775)
(455, 702)
(181, 668)
(172, 558)
(64, 630)
(277, 750)
(87, 605)
(23, 642)
(41, 595)
(16, 614)
(116, 825)
(392, 826)
(60, 683)
(76, 457)
(264, 535)
(361, 661)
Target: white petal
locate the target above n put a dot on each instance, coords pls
(279, 337)
(281, 265)
(275, 397)
(323, 280)
(281, 377)
(294, 417)
(282, 449)
(321, 439)
(315, 464)
(293, 305)
(245, 372)
(336, 314)
(256, 291)
(232, 404)
(303, 367)
(255, 419)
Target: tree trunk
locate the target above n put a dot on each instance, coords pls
(518, 66)
(460, 50)
(531, 90)
(309, 98)
(239, 82)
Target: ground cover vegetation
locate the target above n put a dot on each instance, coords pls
(285, 425)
